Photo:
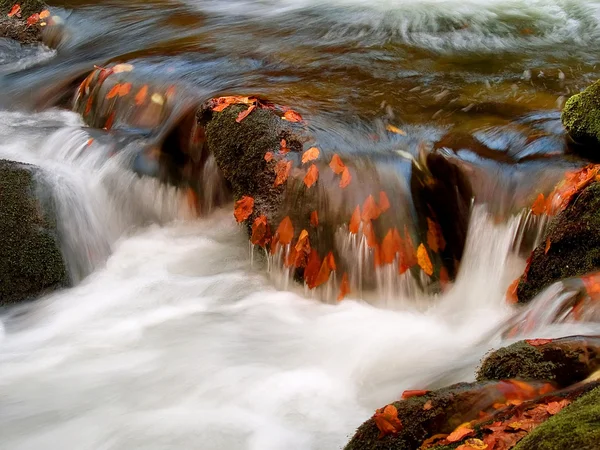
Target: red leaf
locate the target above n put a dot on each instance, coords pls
(140, 97)
(268, 156)
(354, 221)
(33, 19)
(331, 261)
(311, 176)
(88, 105)
(292, 116)
(113, 92)
(387, 421)
(459, 434)
(344, 288)
(314, 219)
(346, 178)
(283, 148)
(370, 234)
(336, 164)
(547, 248)
(538, 342)
(109, 122)
(414, 393)
(311, 272)
(323, 275)
(241, 116)
(370, 210)
(389, 247)
(285, 231)
(260, 231)
(302, 249)
(539, 205)
(124, 89)
(384, 202)
(282, 171)
(310, 155)
(555, 407)
(511, 292)
(243, 208)
(15, 11)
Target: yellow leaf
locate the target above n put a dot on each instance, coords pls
(158, 99)
(394, 129)
(423, 260)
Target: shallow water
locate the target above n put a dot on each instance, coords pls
(174, 336)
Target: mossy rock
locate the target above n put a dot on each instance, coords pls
(581, 118)
(575, 427)
(17, 28)
(31, 262)
(564, 361)
(574, 237)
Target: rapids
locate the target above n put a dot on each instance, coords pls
(175, 335)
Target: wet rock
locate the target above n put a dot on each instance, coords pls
(16, 28)
(564, 361)
(581, 118)
(570, 248)
(575, 427)
(31, 262)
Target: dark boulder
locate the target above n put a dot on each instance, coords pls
(581, 118)
(31, 262)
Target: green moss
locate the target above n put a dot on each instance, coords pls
(581, 115)
(575, 245)
(28, 7)
(575, 427)
(31, 260)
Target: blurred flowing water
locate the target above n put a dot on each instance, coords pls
(172, 337)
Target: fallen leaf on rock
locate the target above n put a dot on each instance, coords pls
(394, 129)
(387, 421)
(15, 11)
(354, 221)
(282, 171)
(511, 292)
(302, 249)
(124, 89)
(44, 14)
(260, 231)
(311, 176)
(109, 122)
(555, 407)
(369, 233)
(384, 202)
(460, 433)
(370, 210)
(473, 444)
(331, 261)
(285, 231)
(88, 105)
(314, 219)
(292, 116)
(428, 405)
(389, 247)
(33, 19)
(140, 97)
(224, 102)
(243, 208)
(313, 266)
(539, 205)
(113, 92)
(241, 116)
(336, 164)
(323, 275)
(268, 156)
(414, 393)
(423, 260)
(120, 68)
(538, 342)
(344, 288)
(547, 248)
(310, 155)
(283, 148)
(346, 178)
(90, 141)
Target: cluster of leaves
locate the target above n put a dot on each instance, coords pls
(221, 103)
(33, 19)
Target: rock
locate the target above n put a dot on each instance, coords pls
(575, 427)
(574, 249)
(581, 118)
(17, 28)
(31, 262)
(565, 361)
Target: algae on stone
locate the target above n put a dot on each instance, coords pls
(581, 115)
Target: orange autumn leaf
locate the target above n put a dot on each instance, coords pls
(344, 288)
(291, 257)
(89, 142)
(311, 176)
(547, 247)
(346, 178)
(539, 205)
(323, 275)
(140, 97)
(314, 219)
(387, 421)
(302, 249)
(241, 116)
(292, 116)
(44, 14)
(313, 266)
(407, 257)
(88, 105)
(336, 164)
(369, 233)
(260, 231)
(377, 262)
(370, 210)
(285, 231)
(15, 11)
(310, 155)
(109, 122)
(435, 239)
(224, 102)
(113, 92)
(414, 393)
(124, 89)
(243, 208)
(428, 405)
(354, 221)
(460, 433)
(389, 247)
(33, 19)
(331, 261)
(511, 292)
(282, 171)
(423, 260)
(283, 148)
(555, 407)
(538, 342)
(384, 202)
(268, 156)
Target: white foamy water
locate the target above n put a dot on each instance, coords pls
(177, 341)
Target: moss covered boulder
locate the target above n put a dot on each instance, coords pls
(564, 361)
(570, 248)
(31, 262)
(16, 27)
(581, 118)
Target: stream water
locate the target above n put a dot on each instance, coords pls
(173, 336)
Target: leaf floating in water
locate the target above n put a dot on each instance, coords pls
(285, 231)
(354, 221)
(387, 421)
(310, 155)
(344, 288)
(243, 208)
(89, 142)
(423, 260)
(121, 68)
(369, 233)
(346, 178)
(292, 116)
(260, 231)
(268, 156)
(336, 164)
(113, 92)
(396, 130)
(311, 176)
(314, 219)
(282, 171)
(15, 11)
(124, 89)
(140, 97)
(539, 205)
(33, 19)
(241, 116)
